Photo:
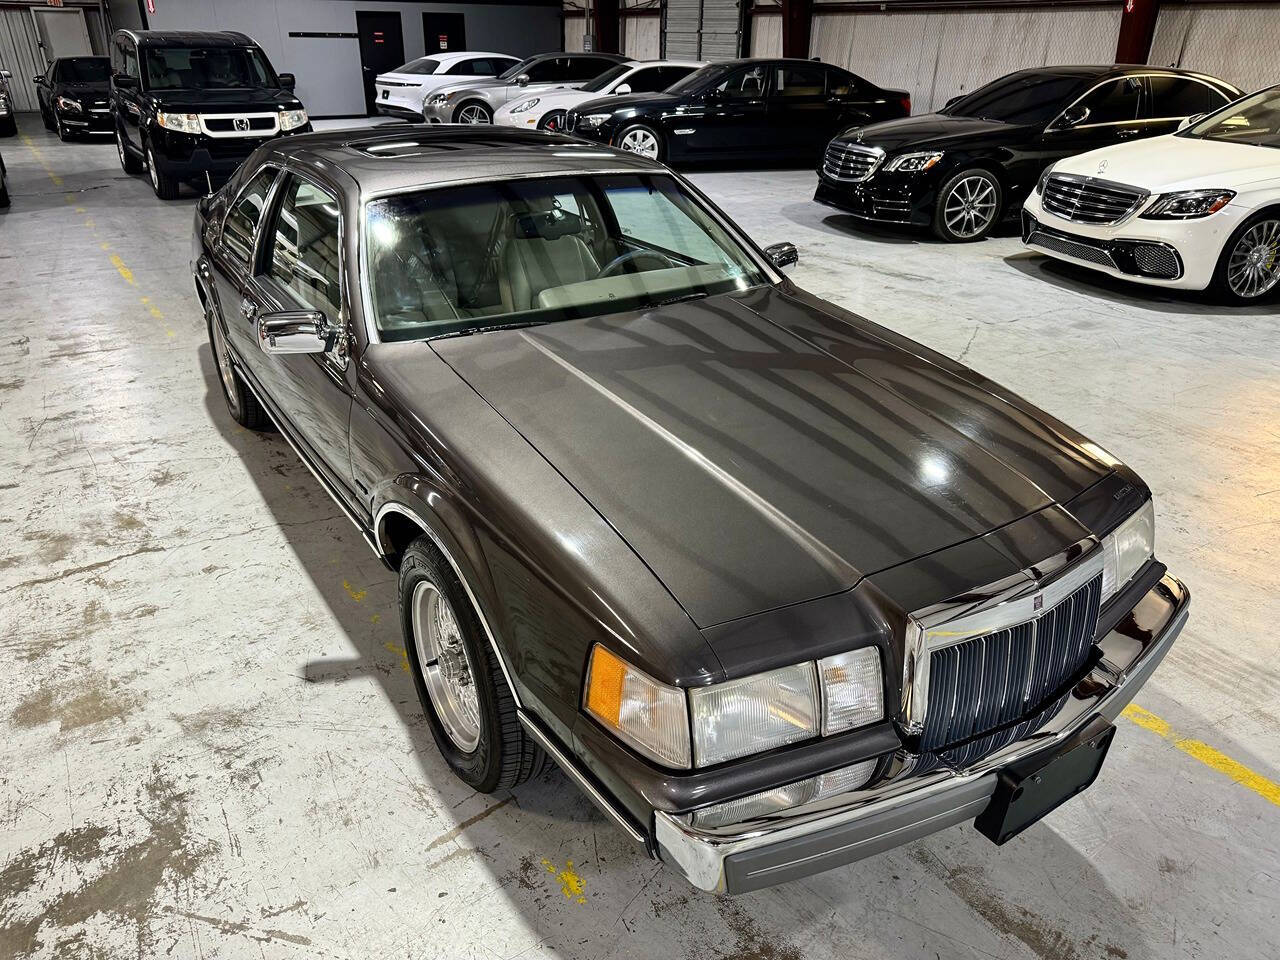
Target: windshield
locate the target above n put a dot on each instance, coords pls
(420, 65)
(85, 70)
(1034, 98)
(695, 79)
(606, 78)
(516, 69)
(207, 68)
(1254, 120)
(524, 252)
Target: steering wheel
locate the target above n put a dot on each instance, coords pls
(631, 256)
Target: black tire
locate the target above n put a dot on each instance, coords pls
(4, 195)
(165, 186)
(987, 187)
(504, 755)
(552, 121)
(128, 162)
(1220, 287)
(479, 108)
(8, 126)
(642, 130)
(45, 118)
(241, 402)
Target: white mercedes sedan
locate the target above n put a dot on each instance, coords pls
(400, 92)
(1198, 209)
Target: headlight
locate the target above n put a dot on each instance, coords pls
(1188, 204)
(752, 714)
(67, 103)
(1044, 178)
(438, 99)
(292, 119)
(783, 798)
(592, 120)
(526, 106)
(1127, 548)
(650, 716)
(852, 690)
(181, 122)
(914, 162)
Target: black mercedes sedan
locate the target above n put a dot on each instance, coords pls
(776, 587)
(74, 96)
(770, 110)
(962, 169)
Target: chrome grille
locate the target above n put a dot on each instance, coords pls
(1088, 200)
(990, 681)
(850, 164)
(570, 122)
(1156, 260)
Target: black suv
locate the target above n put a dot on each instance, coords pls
(191, 106)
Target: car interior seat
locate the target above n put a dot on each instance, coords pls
(545, 250)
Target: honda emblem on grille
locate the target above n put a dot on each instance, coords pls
(1038, 602)
(241, 123)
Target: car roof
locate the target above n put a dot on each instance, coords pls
(1102, 71)
(397, 157)
(452, 55)
(190, 38)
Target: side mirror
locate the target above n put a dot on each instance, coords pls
(1191, 121)
(622, 89)
(124, 81)
(783, 256)
(296, 331)
(38, 78)
(522, 80)
(1072, 117)
(288, 81)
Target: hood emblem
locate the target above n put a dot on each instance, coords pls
(241, 123)
(1038, 602)
(1102, 166)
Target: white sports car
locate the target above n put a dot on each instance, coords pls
(546, 110)
(1197, 209)
(400, 93)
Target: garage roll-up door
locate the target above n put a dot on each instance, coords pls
(702, 29)
(20, 54)
(1237, 42)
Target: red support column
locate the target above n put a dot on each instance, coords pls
(605, 22)
(1137, 30)
(797, 21)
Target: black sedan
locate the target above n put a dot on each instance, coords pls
(742, 109)
(962, 169)
(777, 587)
(73, 96)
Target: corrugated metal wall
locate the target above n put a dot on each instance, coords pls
(20, 54)
(574, 29)
(684, 17)
(702, 29)
(1237, 42)
(642, 37)
(766, 36)
(937, 55)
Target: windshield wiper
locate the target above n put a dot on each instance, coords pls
(490, 329)
(681, 298)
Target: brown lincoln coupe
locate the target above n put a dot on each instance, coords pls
(776, 587)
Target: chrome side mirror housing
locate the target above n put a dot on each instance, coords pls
(1191, 121)
(783, 256)
(522, 80)
(622, 89)
(296, 331)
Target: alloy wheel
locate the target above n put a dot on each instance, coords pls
(224, 360)
(473, 113)
(970, 207)
(446, 666)
(642, 142)
(120, 149)
(1254, 267)
(151, 170)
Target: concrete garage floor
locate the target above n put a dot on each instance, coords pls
(210, 746)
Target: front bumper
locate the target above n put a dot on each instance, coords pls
(395, 110)
(830, 833)
(189, 156)
(883, 197)
(98, 120)
(1180, 254)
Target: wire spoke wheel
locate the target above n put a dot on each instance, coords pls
(473, 113)
(152, 171)
(446, 666)
(970, 207)
(224, 361)
(1254, 267)
(642, 142)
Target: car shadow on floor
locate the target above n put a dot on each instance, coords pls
(958, 867)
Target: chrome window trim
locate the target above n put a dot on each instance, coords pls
(987, 610)
(1053, 124)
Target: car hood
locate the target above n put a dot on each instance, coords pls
(231, 100)
(550, 99)
(753, 463)
(1163, 164)
(630, 101)
(933, 130)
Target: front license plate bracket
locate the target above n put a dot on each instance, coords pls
(1032, 788)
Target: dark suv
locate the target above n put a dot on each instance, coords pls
(191, 106)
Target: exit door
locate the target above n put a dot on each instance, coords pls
(444, 32)
(381, 48)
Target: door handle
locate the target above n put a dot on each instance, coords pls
(248, 309)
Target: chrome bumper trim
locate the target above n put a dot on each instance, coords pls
(840, 830)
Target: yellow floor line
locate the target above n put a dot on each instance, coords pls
(1267, 789)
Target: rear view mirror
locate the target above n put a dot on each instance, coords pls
(295, 331)
(622, 89)
(288, 81)
(1190, 121)
(783, 256)
(522, 80)
(1073, 116)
